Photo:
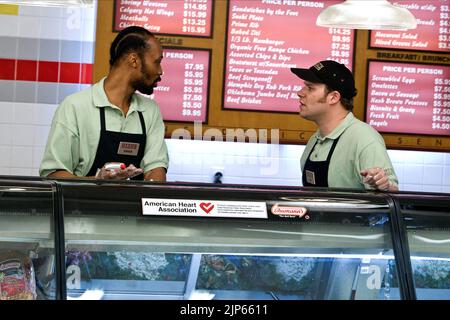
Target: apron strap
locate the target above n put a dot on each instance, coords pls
(141, 117)
(102, 119)
(332, 148)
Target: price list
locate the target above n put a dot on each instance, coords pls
(441, 104)
(444, 27)
(265, 38)
(341, 45)
(181, 17)
(409, 98)
(432, 32)
(183, 92)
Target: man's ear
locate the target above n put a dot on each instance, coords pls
(133, 60)
(334, 97)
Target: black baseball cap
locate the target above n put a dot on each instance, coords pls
(335, 75)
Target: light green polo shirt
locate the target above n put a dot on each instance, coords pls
(360, 147)
(75, 132)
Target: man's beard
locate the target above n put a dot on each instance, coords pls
(323, 99)
(142, 86)
(144, 89)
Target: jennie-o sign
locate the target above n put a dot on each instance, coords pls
(204, 208)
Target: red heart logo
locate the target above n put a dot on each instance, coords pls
(207, 207)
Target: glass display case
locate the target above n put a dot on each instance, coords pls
(115, 248)
(27, 240)
(135, 240)
(426, 219)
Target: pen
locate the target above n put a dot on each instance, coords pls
(115, 166)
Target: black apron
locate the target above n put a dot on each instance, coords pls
(315, 173)
(119, 147)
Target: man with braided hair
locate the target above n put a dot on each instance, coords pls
(110, 122)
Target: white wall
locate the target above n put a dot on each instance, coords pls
(31, 37)
(251, 163)
(22, 145)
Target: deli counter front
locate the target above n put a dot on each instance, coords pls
(78, 239)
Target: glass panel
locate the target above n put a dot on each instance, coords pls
(428, 227)
(297, 277)
(27, 249)
(126, 274)
(341, 250)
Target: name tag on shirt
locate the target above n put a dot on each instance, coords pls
(128, 148)
(310, 177)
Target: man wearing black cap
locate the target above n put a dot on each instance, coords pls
(344, 152)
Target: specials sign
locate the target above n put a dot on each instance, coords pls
(204, 208)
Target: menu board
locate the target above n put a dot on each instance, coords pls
(408, 98)
(182, 94)
(432, 32)
(181, 17)
(265, 38)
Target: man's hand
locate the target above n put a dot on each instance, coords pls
(157, 174)
(378, 179)
(117, 171)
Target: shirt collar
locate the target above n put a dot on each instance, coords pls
(347, 122)
(101, 100)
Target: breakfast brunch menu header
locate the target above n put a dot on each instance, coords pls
(408, 98)
(181, 17)
(265, 38)
(432, 32)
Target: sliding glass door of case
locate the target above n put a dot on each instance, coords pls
(427, 221)
(27, 247)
